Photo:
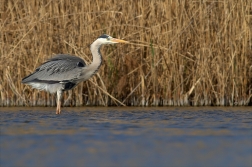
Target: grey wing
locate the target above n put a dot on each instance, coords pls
(61, 68)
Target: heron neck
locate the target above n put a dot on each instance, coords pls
(97, 57)
(96, 62)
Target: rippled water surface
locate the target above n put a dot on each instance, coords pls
(125, 136)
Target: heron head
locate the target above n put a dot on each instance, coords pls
(106, 39)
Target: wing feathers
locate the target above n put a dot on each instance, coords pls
(58, 69)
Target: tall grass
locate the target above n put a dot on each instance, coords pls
(181, 52)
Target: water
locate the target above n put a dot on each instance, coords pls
(126, 136)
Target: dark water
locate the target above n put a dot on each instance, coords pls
(126, 137)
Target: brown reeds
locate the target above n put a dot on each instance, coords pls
(181, 52)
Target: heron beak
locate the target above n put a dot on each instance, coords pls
(118, 40)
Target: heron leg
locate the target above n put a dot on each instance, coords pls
(58, 109)
(59, 94)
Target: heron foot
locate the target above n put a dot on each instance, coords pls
(57, 111)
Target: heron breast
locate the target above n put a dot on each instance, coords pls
(80, 64)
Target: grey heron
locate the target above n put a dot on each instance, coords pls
(63, 72)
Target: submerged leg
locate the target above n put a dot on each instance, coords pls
(59, 94)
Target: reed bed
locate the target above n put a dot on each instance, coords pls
(182, 53)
